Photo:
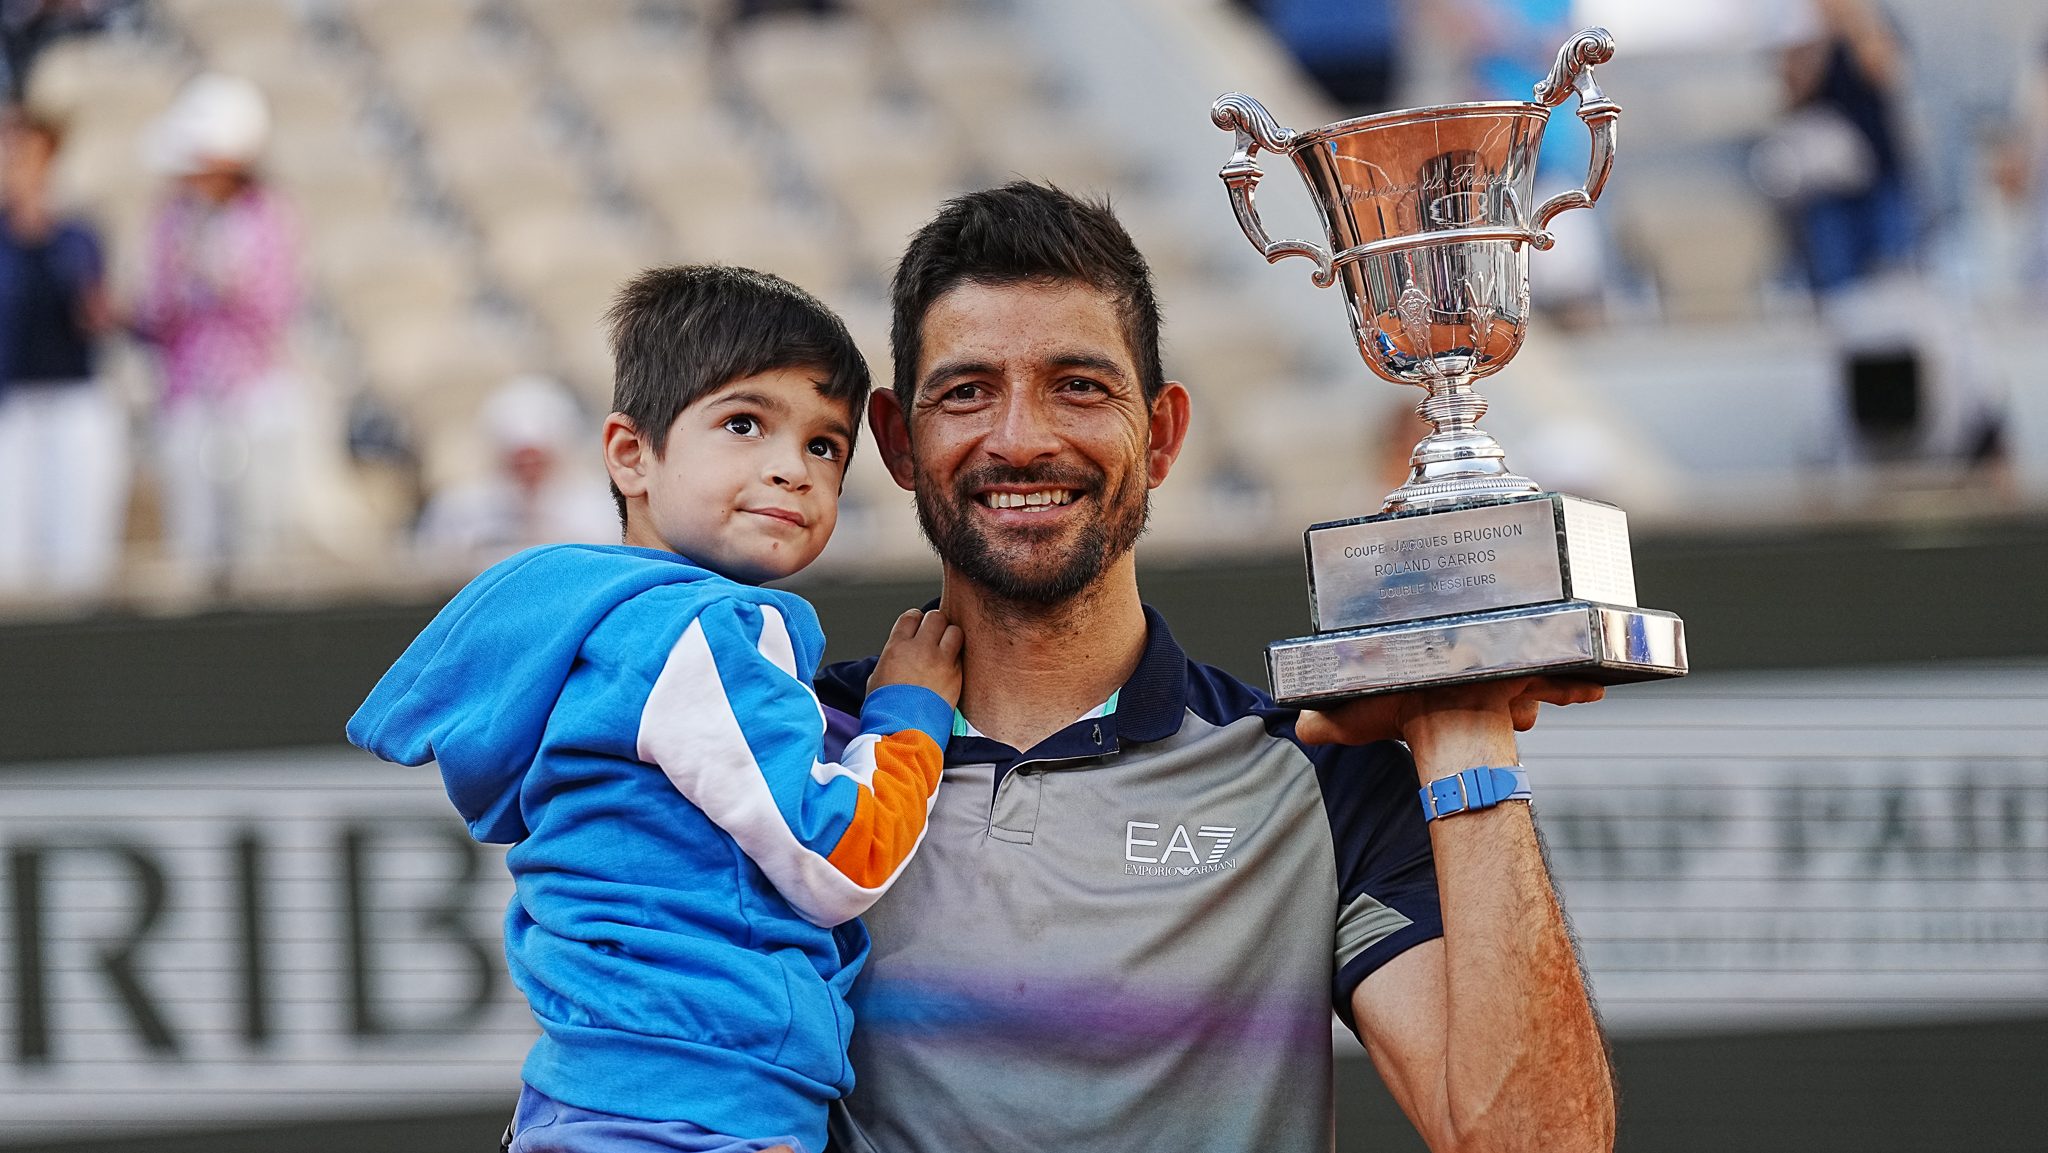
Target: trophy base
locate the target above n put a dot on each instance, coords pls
(1580, 639)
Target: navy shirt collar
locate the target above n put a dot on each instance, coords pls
(1155, 699)
(1150, 707)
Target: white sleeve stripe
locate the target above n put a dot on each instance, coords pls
(689, 730)
(779, 648)
(776, 643)
(857, 763)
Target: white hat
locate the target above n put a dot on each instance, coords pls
(1791, 23)
(531, 412)
(216, 119)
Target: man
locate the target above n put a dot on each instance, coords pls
(63, 435)
(1144, 887)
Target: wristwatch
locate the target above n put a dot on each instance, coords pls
(1472, 790)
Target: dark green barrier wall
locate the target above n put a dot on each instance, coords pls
(114, 686)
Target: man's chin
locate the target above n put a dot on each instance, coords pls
(1036, 567)
(1040, 563)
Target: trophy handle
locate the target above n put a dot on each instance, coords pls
(1256, 129)
(1573, 72)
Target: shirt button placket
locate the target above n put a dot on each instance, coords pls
(1015, 815)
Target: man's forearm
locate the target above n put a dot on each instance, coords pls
(1525, 1065)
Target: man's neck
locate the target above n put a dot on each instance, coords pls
(1029, 670)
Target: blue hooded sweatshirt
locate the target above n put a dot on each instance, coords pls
(643, 733)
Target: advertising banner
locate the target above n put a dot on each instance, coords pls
(1761, 851)
(251, 937)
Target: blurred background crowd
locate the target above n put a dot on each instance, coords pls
(301, 324)
(301, 299)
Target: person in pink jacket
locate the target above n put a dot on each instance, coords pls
(222, 286)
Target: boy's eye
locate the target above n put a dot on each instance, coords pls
(741, 425)
(826, 449)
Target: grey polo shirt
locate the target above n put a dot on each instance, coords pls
(1132, 936)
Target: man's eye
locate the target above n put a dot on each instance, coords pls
(964, 392)
(741, 425)
(1082, 384)
(826, 449)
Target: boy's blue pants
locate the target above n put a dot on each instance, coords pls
(544, 1125)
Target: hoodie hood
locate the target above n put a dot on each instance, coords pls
(474, 691)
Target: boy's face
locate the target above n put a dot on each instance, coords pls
(748, 484)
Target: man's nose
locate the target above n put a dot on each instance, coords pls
(1023, 430)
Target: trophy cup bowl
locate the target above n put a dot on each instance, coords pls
(1469, 571)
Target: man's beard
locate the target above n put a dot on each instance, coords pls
(1024, 573)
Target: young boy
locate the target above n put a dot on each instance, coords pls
(637, 722)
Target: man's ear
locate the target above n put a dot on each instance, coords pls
(891, 428)
(627, 455)
(1171, 412)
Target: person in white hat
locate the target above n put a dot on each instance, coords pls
(222, 286)
(536, 491)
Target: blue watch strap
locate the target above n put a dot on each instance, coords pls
(1472, 790)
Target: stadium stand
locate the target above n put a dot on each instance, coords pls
(475, 176)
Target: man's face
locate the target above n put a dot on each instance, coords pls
(27, 161)
(1029, 436)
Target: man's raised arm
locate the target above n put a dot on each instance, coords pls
(1487, 1037)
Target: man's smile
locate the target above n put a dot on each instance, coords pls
(1035, 498)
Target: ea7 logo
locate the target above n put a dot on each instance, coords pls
(1178, 852)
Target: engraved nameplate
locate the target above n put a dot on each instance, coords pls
(1381, 570)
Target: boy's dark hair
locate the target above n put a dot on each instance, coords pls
(1014, 234)
(681, 332)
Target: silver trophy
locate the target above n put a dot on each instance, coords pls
(1468, 572)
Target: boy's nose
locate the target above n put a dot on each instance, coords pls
(788, 470)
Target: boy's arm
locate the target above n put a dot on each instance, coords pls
(738, 732)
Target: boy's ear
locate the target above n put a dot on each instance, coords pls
(891, 430)
(627, 455)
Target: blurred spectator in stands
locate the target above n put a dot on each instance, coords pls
(63, 436)
(2021, 169)
(222, 284)
(1963, 66)
(29, 26)
(1351, 48)
(543, 487)
(1837, 161)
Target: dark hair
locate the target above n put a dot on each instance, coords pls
(682, 332)
(1014, 234)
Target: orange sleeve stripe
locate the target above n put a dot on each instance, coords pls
(889, 819)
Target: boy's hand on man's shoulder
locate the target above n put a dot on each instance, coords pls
(923, 649)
